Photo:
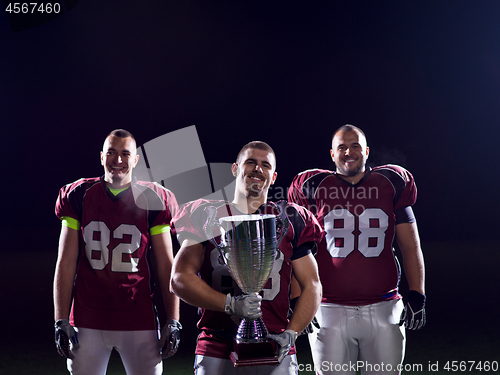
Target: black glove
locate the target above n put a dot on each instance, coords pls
(286, 341)
(244, 306)
(309, 328)
(170, 337)
(413, 316)
(65, 334)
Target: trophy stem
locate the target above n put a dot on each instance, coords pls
(250, 331)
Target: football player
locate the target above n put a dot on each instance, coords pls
(362, 211)
(115, 236)
(201, 280)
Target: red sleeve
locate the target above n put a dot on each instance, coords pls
(403, 183)
(312, 231)
(409, 194)
(307, 232)
(64, 207)
(166, 216)
(186, 224)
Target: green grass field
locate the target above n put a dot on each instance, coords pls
(462, 308)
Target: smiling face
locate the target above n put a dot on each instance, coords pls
(349, 153)
(118, 157)
(255, 172)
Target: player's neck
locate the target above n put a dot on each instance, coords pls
(118, 184)
(249, 205)
(352, 179)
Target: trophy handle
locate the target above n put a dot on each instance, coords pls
(212, 223)
(282, 220)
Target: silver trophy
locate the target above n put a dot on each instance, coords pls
(248, 245)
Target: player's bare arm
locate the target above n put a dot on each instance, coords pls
(413, 260)
(305, 271)
(65, 272)
(186, 283)
(294, 288)
(162, 248)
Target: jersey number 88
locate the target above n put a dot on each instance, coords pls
(340, 228)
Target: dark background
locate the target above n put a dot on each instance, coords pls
(421, 78)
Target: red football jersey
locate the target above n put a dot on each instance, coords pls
(304, 232)
(356, 261)
(113, 284)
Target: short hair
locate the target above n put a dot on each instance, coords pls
(348, 128)
(260, 145)
(121, 133)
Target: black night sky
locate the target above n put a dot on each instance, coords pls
(421, 78)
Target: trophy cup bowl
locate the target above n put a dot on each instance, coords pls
(248, 246)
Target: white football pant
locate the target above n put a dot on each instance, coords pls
(139, 352)
(358, 338)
